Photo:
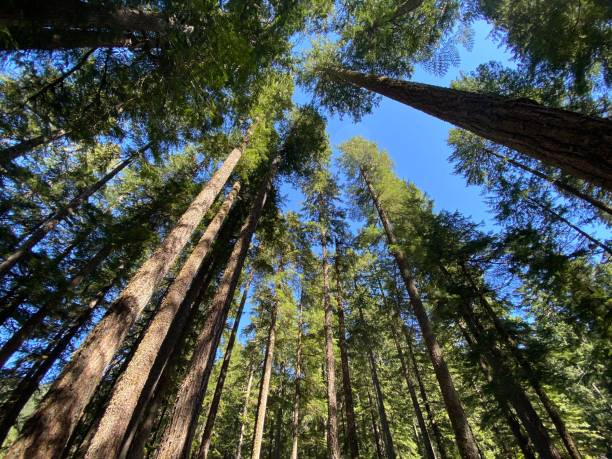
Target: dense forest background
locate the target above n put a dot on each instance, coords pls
(189, 267)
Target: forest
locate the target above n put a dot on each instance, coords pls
(161, 298)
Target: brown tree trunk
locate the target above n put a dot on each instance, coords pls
(214, 404)
(529, 373)
(375, 432)
(295, 419)
(50, 306)
(114, 423)
(351, 429)
(13, 152)
(382, 412)
(264, 388)
(245, 410)
(46, 433)
(333, 445)
(577, 144)
(179, 432)
(463, 434)
(45, 227)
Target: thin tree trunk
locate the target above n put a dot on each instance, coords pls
(61, 214)
(528, 371)
(179, 432)
(214, 404)
(557, 183)
(13, 152)
(295, 419)
(346, 376)
(114, 423)
(463, 434)
(375, 432)
(264, 388)
(333, 445)
(50, 306)
(245, 411)
(382, 413)
(577, 144)
(46, 433)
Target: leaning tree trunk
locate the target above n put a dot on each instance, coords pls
(45, 227)
(179, 432)
(47, 431)
(245, 410)
(9, 154)
(333, 445)
(463, 434)
(577, 144)
(349, 406)
(214, 404)
(264, 388)
(530, 374)
(114, 423)
(295, 419)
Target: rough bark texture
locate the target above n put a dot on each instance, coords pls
(114, 423)
(349, 405)
(245, 410)
(214, 404)
(178, 434)
(264, 387)
(295, 418)
(59, 215)
(463, 434)
(577, 144)
(47, 431)
(333, 445)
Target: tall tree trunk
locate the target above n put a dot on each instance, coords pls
(295, 419)
(46, 226)
(214, 404)
(375, 432)
(46, 433)
(427, 446)
(9, 154)
(463, 434)
(114, 423)
(382, 412)
(528, 371)
(264, 388)
(333, 445)
(351, 429)
(244, 413)
(577, 144)
(30, 383)
(179, 432)
(50, 306)
(557, 183)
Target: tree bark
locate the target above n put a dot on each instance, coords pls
(463, 434)
(382, 413)
(577, 144)
(114, 423)
(13, 152)
(46, 433)
(214, 404)
(45, 227)
(245, 410)
(179, 432)
(375, 432)
(349, 406)
(264, 388)
(295, 419)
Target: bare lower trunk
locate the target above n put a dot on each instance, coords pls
(295, 419)
(179, 432)
(351, 429)
(264, 388)
(463, 434)
(375, 432)
(577, 144)
(245, 410)
(47, 431)
(114, 423)
(382, 412)
(214, 404)
(333, 445)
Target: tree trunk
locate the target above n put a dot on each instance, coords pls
(50, 427)
(375, 432)
(13, 152)
(351, 429)
(333, 445)
(577, 144)
(528, 371)
(463, 434)
(264, 388)
(214, 404)
(108, 439)
(45, 227)
(50, 306)
(295, 419)
(179, 432)
(382, 413)
(245, 411)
